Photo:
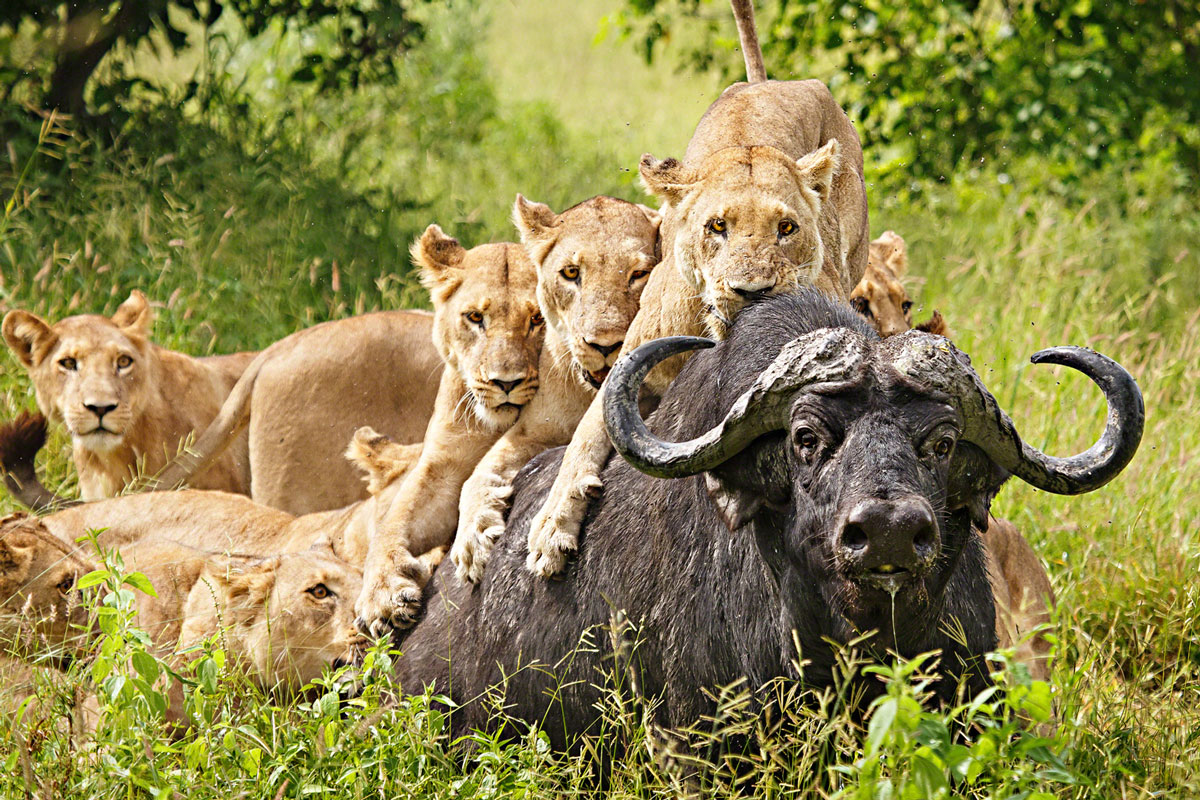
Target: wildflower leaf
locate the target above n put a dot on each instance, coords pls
(881, 723)
(140, 582)
(93, 578)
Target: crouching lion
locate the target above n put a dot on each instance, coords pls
(769, 198)
(127, 403)
(282, 618)
(881, 297)
(304, 396)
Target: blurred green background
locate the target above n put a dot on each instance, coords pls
(262, 165)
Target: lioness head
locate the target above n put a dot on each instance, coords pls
(879, 296)
(40, 606)
(745, 222)
(486, 324)
(88, 371)
(285, 618)
(592, 263)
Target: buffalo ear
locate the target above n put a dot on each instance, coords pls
(440, 258)
(667, 179)
(134, 316)
(735, 505)
(973, 482)
(817, 169)
(29, 337)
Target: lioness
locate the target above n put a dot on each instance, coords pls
(127, 403)
(768, 198)
(880, 296)
(593, 261)
(283, 618)
(305, 395)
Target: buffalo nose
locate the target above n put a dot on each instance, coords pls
(506, 386)
(605, 349)
(99, 411)
(750, 289)
(896, 534)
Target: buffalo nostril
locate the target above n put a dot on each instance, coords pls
(505, 386)
(605, 349)
(924, 540)
(99, 411)
(854, 538)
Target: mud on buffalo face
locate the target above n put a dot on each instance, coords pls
(864, 465)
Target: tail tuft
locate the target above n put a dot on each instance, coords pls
(20, 441)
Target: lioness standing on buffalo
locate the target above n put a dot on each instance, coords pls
(769, 198)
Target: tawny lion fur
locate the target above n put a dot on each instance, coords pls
(128, 404)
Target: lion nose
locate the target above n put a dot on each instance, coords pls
(750, 289)
(99, 411)
(605, 349)
(506, 386)
(882, 534)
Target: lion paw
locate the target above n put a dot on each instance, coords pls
(552, 539)
(478, 535)
(389, 602)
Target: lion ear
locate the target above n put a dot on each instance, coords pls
(817, 169)
(889, 250)
(440, 259)
(242, 585)
(667, 179)
(382, 459)
(652, 215)
(537, 224)
(29, 337)
(134, 316)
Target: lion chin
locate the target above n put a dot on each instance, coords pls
(499, 417)
(99, 440)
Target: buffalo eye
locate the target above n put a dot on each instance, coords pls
(940, 445)
(474, 317)
(861, 305)
(906, 306)
(69, 364)
(320, 591)
(944, 447)
(638, 275)
(66, 584)
(124, 362)
(717, 226)
(787, 228)
(806, 441)
(570, 273)
(536, 320)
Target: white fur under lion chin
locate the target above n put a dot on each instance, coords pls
(500, 418)
(98, 441)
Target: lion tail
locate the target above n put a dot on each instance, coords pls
(743, 14)
(20, 441)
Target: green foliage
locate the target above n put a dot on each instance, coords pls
(935, 85)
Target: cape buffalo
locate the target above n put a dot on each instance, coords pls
(824, 483)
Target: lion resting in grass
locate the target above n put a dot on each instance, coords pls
(769, 198)
(303, 397)
(282, 618)
(127, 403)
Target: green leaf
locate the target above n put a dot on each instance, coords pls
(140, 582)
(1039, 701)
(146, 665)
(881, 723)
(93, 578)
(929, 777)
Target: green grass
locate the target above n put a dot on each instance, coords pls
(234, 227)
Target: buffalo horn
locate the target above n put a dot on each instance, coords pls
(830, 356)
(929, 360)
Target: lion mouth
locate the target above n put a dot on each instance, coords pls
(596, 378)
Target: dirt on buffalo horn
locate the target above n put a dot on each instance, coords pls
(935, 363)
(831, 356)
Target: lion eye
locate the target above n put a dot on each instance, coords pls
(638, 275)
(474, 317)
(570, 272)
(124, 362)
(861, 305)
(66, 584)
(787, 228)
(320, 591)
(69, 364)
(716, 225)
(906, 306)
(536, 320)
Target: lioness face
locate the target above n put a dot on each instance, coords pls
(879, 296)
(486, 321)
(87, 371)
(745, 223)
(289, 616)
(40, 608)
(593, 261)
